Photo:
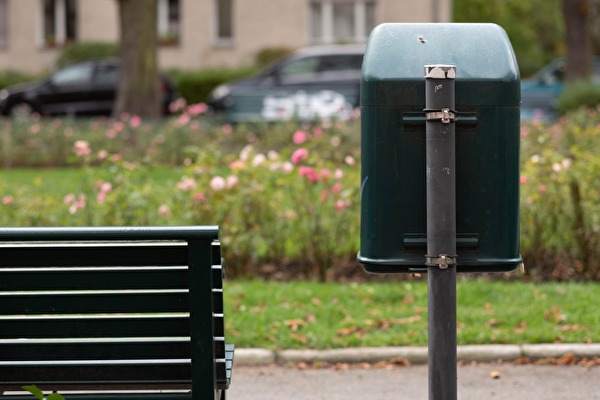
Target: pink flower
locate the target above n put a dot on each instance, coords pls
(258, 160)
(118, 126)
(102, 155)
(75, 203)
(336, 188)
(318, 131)
(238, 164)
(287, 167)
(6, 200)
(35, 128)
(164, 210)
(341, 205)
(199, 197)
(196, 109)
(227, 129)
(308, 172)
(231, 181)
(135, 121)
(299, 137)
(82, 148)
(218, 183)
(177, 105)
(186, 184)
(101, 197)
(523, 180)
(69, 198)
(299, 155)
(325, 173)
(106, 187)
(183, 120)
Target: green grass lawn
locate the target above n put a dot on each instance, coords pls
(327, 315)
(59, 181)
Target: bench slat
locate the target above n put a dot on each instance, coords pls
(76, 302)
(116, 348)
(93, 278)
(77, 254)
(97, 326)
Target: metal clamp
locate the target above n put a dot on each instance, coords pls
(443, 261)
(445, 115)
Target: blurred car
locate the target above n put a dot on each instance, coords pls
(540, 94)
(86, 88)
(319, 82)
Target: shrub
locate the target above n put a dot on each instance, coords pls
(577, 95)
(283, 194)
(195, 85)
(270, 55)
(8, 78)
(84, 51)
(560, 184)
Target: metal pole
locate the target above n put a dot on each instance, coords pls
(441, 230)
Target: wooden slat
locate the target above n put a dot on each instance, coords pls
(93, 278)
(94, 302)
(77, 254)
(144, 374)
(94, 326)
(109, 348)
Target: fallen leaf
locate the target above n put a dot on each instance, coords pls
(300, 338)
(495, 374)
(294, 324)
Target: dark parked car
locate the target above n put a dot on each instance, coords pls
(540, 94)
(86, 88)
(320, 82)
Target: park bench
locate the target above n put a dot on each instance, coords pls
(113, 312)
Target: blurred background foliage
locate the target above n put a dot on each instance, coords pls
(535, 27)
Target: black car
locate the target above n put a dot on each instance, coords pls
(319, 82)
(86, 88)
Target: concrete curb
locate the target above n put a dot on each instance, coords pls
(415, 355)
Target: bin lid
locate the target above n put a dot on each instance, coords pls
(487, 73)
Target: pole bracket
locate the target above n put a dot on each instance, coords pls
(443, 261)
(445, 115)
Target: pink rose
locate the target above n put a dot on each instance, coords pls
(299, 155)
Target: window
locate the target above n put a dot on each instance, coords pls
(224, 20)
(341, 21)
(168, 21)
(3, 24)
(59, 22)
(74, 75)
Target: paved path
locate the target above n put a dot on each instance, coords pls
(529, 382)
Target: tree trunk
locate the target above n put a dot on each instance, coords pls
(576, 14)
(138, 92)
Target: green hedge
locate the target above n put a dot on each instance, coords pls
(577, 95)
(8, 78)
(195, 85)
(86, 51)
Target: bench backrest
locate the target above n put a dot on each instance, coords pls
(113, 308)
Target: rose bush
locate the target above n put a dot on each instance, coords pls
(560, 188)
(284, 194)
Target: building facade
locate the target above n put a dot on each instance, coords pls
(200, 33)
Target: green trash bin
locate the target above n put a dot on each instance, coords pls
(393, 187)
